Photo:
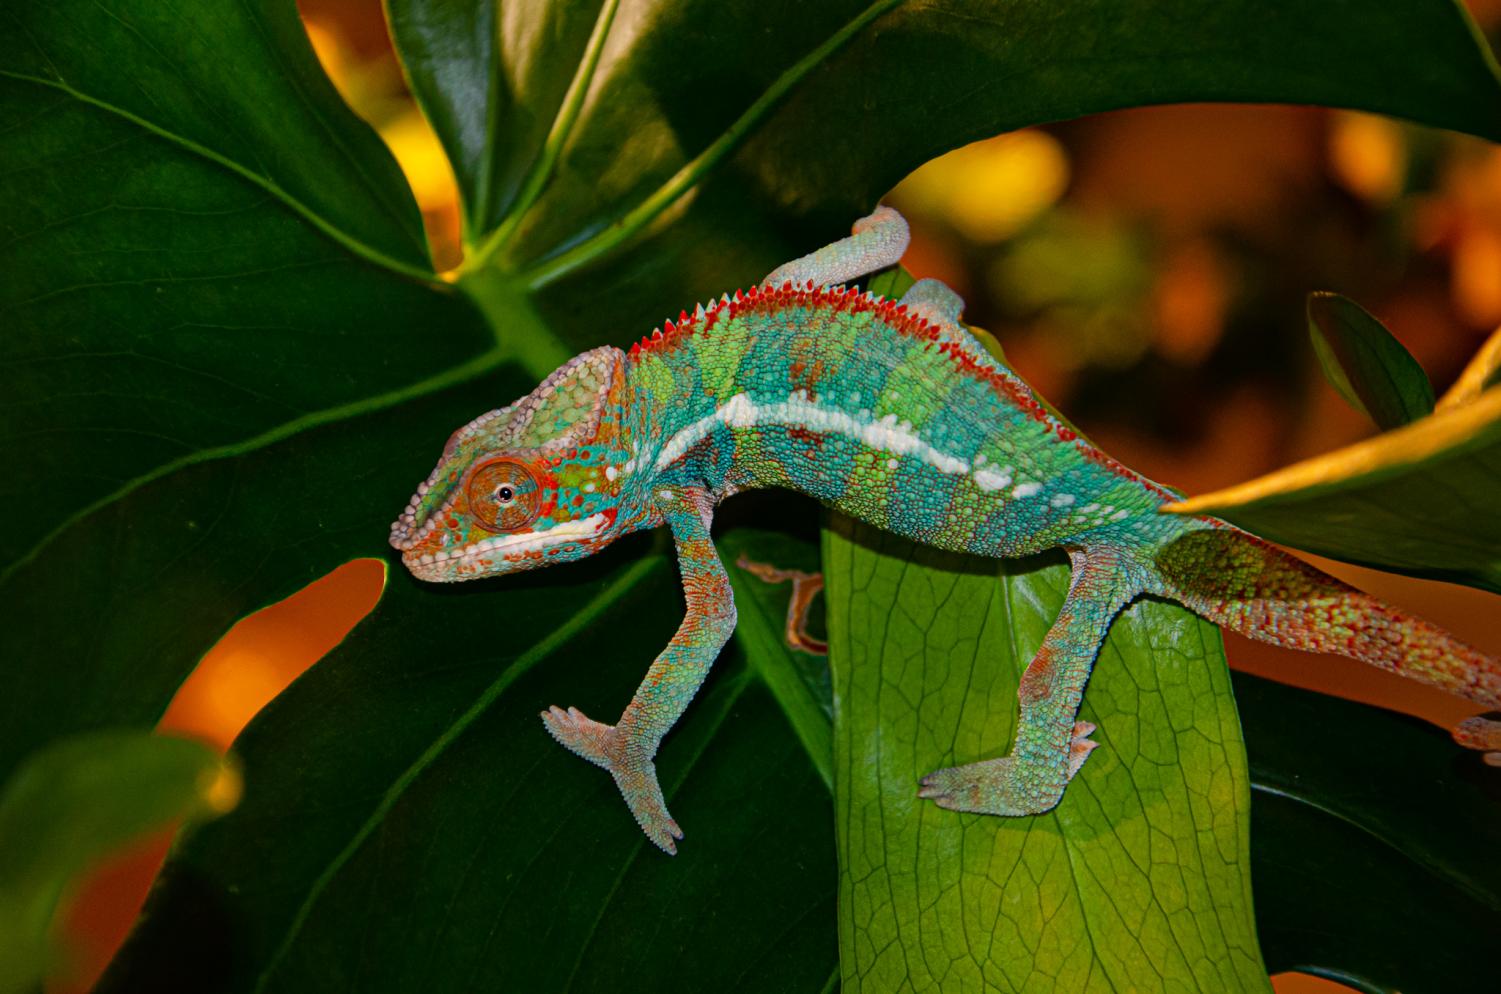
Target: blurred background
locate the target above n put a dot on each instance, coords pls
(1145, 270)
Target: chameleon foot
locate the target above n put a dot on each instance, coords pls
(635, 774)
(1080, 746)
(1004, 786)
(581, 735)
(993, 787)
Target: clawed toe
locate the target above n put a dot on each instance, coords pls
(606, 746)
(1080, 745)
(580, 734)
(949, 789)
(991, 787)
(664, 836)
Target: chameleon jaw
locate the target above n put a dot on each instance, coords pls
(501, 553)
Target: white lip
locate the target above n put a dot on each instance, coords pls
(426, 566)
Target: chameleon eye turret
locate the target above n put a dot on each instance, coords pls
(504, 495)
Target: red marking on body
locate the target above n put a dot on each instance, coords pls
(1011, 390)
(1037, 679)
(800, 434)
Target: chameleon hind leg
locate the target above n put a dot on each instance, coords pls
(1051, 744)
(878, 241)
(627, 748)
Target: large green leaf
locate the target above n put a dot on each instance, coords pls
(199, 345)
(225, 361)
(1373, 864)
(1138, 880)
(408, 823)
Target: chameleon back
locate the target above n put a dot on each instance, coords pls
(868, 407)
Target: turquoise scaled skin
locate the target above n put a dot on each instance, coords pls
(892, 413)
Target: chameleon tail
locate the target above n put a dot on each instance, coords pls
(1249, 586)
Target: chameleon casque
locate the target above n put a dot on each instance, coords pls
(893, 413)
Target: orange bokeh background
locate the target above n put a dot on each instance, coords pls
(1135, 314)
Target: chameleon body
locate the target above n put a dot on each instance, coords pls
(893, 413)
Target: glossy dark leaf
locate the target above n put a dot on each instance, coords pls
(1373, 843)
(204, 344)
(1365, 362)
(408, 822)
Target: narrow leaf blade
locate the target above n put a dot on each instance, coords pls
(1365, 362)
(1419, 500)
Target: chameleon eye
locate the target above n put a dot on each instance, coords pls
(503, 495)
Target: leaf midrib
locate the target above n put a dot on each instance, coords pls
(452, 376)
(519, 667)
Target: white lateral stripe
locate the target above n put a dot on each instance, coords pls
(987, 479)
(521, 542)
(741, 412)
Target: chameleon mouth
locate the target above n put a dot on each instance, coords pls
(460, 563)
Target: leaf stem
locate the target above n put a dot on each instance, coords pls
(557, 136)
(520, 333)
(623, 228)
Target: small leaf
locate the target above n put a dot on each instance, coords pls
(77, 801)
(1419, 500)
(1365, 362)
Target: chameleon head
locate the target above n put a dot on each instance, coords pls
(532, 484)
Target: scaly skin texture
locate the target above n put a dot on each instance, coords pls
(890, 412)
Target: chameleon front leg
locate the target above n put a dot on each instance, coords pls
(627, 748)
(1051, 745)
(878, 241)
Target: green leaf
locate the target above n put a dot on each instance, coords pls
(1138, 880)
(77, 801)
(1419, 500)
(1374, 844)
(408, 818)
(1365, 362)
(226, 363)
